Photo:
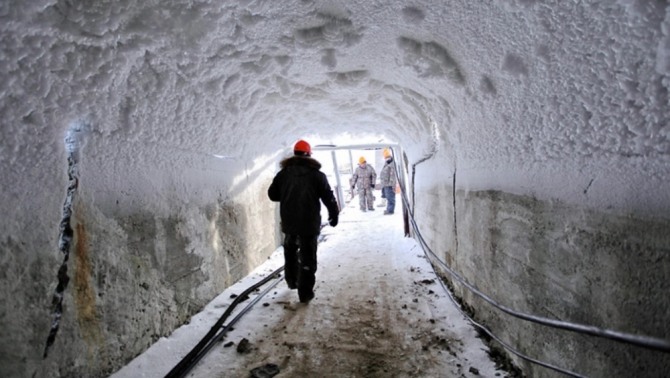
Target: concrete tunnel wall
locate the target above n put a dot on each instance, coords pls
(556, 260)
(158, 129)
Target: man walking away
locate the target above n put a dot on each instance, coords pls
(298, 187)
(387, 180)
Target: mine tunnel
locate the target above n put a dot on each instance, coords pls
(139, 140)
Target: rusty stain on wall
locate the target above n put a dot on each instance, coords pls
(84, 293)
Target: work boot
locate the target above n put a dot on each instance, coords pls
(305, 297)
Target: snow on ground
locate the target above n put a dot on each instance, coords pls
(378, 311)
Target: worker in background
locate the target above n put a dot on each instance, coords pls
(298, 187)
(387, 180)
(364, 178)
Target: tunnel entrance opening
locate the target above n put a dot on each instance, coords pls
(339, 163)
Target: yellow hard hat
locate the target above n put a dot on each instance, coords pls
(387, 153)
(361, 160)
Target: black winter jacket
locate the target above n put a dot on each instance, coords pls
(298, 187)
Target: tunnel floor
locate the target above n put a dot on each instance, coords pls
(378, 312)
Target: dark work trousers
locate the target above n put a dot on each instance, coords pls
(389, 194)
(300, 262)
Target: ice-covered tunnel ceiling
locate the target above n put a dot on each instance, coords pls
(550, 98)
(138, 140)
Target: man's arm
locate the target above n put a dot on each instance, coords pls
(273, 191)
(328, 199)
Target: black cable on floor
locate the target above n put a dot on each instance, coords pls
(187, 363)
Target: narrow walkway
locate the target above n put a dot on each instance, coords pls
(378, 312)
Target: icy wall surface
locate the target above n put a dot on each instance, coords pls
(181, 109)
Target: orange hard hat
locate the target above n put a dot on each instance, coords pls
(361, 160)
(302, 148)
(387, 153)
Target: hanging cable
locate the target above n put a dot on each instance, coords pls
(504, 344)
(642, 341)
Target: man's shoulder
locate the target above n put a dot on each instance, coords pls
(300, 161)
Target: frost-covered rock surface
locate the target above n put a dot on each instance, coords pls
(145, 133)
